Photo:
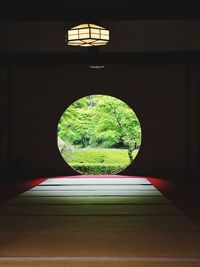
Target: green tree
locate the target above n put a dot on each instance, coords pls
(100, 121)
(75, 123)
(117, 123)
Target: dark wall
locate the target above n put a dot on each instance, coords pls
(164, 92)
(126, 36)
(162, 96)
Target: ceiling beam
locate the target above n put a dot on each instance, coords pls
(99, 58)
(90, 10)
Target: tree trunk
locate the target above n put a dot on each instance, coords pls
(130, 154)
(90, 100)
(83, 142)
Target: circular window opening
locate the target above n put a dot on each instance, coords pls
(99, 134)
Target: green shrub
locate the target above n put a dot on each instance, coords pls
(99, 155)
(98, 160)
(95, 168)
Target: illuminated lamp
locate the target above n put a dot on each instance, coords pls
(87, 35)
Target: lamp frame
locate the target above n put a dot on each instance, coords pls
(84, 35)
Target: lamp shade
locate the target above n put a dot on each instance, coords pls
(87, 35)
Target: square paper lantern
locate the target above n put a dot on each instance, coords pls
(87, 35)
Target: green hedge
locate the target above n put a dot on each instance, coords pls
(93, 168)
(99, 155)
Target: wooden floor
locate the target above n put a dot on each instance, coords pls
(96, 222)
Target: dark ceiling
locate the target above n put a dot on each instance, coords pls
(101, 10)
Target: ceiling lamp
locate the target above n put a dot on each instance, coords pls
(87, 35)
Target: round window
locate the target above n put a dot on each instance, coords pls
(99, 134)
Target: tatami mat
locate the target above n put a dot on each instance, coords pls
(97, 187)
(104, 223)
(99, 261)
(88, 200)
(123, 244)
(86, 193)
(89, 210)
(96, 222)
(100, 181)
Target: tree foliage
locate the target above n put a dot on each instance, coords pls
(100, 121)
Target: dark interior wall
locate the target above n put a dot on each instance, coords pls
(126, 36)
(164, 95)
(157, 93)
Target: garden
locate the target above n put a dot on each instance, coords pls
(99, 134)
